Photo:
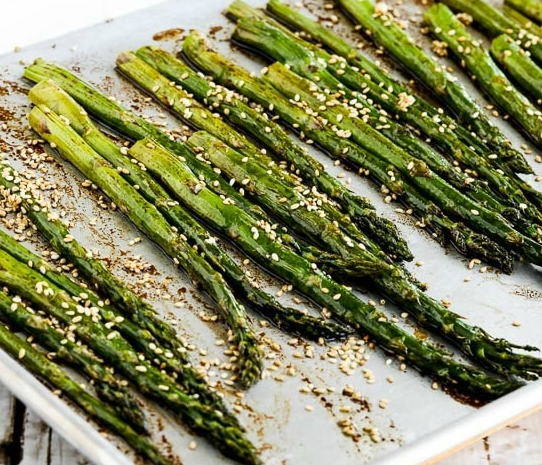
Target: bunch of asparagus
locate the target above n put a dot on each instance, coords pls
(268, 186)
(304, 59)
(74, 314)
(277, 204)
(245, 228)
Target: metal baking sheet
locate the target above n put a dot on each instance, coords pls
(418, 424)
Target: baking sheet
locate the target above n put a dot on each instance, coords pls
(418, 423)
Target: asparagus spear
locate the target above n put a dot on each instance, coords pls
(283, 262)
(489, 77)
(149, 220)
(391, 283)
(521, 21)
(282, 199)
(266, 38)
(107, 343)
(517, 64)
(231, 75)
(452, 202)
(495, 23)
(530, 8)
(241, 112)
(270, 187)
(175, 361)
(41, 366)
(49, 94)
(483, 220)
(437, 80)
(107, 386)
(314, 219)
(237, 113)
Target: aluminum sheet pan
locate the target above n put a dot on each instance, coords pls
(418, 424)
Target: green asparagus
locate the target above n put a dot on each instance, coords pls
(231, 75)
(483, 219)
(377, 85)
(531, 8)
(293, 268)
(386, 33)
(41, 366)
(423, 111)
(149, 220)
(237, 113)
(175, 361)
(452, 202)
(489, 77)
(266, 38)
(107, 386)
(517, 64)
(495, 23)
(460, 141)
(128, 123)
(49, 94)
(108, 344)
(314, 219)
(521, 20)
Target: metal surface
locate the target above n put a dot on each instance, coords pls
(418, 422)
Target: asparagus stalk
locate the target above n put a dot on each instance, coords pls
(147, 78)
(240, 115)
(437, 80)
(231, 75)
(49, 94)
(495, 23)
(107, 343)
(451, 201)
(149, 220)
(175, 361)
(107, 386)
(236, 112)
(517, 64)
(375, 84)
(271, 41)
(291, 267)
(521, 21)
(488, 76)
(530, 8)
(39, 365)
(392, 283)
